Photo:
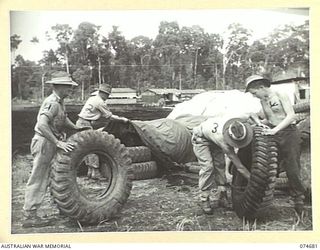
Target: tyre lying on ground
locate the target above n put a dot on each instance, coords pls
(143, 167)
(144, 170)
(81, 198)
(139, 154)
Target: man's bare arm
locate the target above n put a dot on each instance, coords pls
(229, 151)
(70, 124)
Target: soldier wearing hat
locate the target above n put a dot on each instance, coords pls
(279, 116)
(49, 135)
(211, 140)
(94, 109)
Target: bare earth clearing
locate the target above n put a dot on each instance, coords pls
(169, 203)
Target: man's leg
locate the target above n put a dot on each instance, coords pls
(43, 152)
(202, 151)
(289, 142)
(220, 175)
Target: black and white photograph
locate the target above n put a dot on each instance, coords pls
(160, 120)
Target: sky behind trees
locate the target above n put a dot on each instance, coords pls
(30, 24)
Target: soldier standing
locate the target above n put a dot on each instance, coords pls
(278, 114)
(49, 135)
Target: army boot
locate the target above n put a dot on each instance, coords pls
(33, 220)
(206, 206)
(223, 199)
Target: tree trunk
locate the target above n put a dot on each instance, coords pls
(216, 75)
(42, 86)
(195, 69)
(19, 86)
(67, 63)
(173, 77)
(82, 91)
(99, 69)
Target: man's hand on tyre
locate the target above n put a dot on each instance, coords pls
(66, 146)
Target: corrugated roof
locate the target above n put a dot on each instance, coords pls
(165, 91)
(191, 91)
(120, 90)
(123, 90)
(288, 76)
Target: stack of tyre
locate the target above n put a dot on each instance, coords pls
(143, 166)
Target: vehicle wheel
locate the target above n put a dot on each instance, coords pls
(84, 199)
(139, 154)
(302, 107)
(145, 170)
(260, 157)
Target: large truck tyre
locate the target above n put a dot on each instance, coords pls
(260, 157)
(84, 199)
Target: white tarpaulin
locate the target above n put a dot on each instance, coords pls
(216, 103)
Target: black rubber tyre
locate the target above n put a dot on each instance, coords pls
(145, 170)
(101, 199)
(302, 107)
(139, 154)
(260, 157)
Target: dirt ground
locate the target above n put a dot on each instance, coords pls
(169, 203)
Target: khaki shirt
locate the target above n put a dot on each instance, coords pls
(95, 108)
(212, 130)
(53, 107)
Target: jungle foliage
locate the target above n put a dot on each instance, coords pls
(178, 57)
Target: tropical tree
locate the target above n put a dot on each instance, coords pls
(82, 75)
(167, 47)
(286, 47)
(122, 69)
(142, 54)
(34, 40)
(20, 77)
(49, 58)
(63, 34)
(233, 50)
(14, 44)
